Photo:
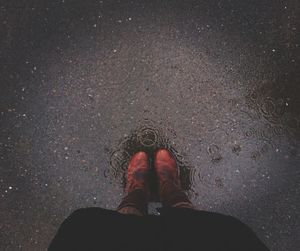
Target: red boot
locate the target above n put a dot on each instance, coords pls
(138, 173)
(166, 169)
(170, 191)
(137, 186)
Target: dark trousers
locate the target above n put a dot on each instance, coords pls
(178, 227)
(175, 229)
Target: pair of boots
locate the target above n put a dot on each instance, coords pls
(137, 187)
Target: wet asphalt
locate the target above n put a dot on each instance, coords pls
(84, 84)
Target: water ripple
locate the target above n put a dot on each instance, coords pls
(148, 137)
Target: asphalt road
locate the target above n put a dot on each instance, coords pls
(85, 83)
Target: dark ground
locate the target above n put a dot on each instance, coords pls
(218, 79)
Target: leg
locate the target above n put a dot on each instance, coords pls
(137, 189)
(171, 193)
(134, 203)
(173, 196)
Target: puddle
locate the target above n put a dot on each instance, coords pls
(148, 137)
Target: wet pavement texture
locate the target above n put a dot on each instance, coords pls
(84, 84)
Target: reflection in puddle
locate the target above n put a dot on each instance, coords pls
(148, 137)
(274, 103)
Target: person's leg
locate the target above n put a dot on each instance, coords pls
(137, 188)
(170, 191)
(134, 202)
(172, 196)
